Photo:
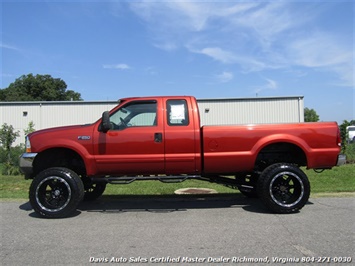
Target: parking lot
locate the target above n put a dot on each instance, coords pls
(184, 230)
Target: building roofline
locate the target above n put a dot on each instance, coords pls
(58, 102)
(251, 98)
(116, 102)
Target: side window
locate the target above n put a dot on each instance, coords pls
(177, 113)
(135, 114)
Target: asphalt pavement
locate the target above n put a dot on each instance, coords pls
(180, 231)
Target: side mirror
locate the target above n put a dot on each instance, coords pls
(105, 122)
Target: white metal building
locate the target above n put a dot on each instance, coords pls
(259, 110)
(212, 112)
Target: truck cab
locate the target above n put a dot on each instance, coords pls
(157, 135)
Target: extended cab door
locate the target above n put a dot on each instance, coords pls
(134, 144)
(182, 137)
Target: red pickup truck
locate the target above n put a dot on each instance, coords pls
(160, 138)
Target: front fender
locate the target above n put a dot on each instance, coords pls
(81, 149)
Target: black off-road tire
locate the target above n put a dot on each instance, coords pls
(250, 188)
(94, 191)
(284, 188)
(56, 192)
(249, 192)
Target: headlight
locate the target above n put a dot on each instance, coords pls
(28, 144)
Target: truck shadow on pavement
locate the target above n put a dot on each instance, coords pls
(171, 203)
(163, 204)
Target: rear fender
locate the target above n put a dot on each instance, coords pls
(279, 138)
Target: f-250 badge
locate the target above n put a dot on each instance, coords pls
(84, 137)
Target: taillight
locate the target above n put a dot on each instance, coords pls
(339, 138)
(28, 145)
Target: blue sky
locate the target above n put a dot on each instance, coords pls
(107, 50)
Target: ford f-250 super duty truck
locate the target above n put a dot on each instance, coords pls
(160, 138)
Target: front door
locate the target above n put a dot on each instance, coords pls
(134, 144)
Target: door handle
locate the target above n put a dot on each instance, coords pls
(158, 137)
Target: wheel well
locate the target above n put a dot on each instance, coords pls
(59, 157)
(282, 152)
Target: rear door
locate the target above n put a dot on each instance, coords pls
(134, 144)
(181, 153)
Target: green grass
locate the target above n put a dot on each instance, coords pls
(338, 180)
(14, 187)
(350, 152)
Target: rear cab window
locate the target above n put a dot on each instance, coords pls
(177, 113)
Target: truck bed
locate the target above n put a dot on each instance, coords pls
(231, 149)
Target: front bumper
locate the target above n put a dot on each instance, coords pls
(26, 164)
(341, 159)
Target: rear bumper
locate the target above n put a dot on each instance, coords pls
(26, 164)
(341, 159)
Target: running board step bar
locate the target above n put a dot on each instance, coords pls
(130, 179)
(234, 183)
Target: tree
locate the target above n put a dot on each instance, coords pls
(310, 115)
(30, 128)
(38, 88)
(7, 136)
